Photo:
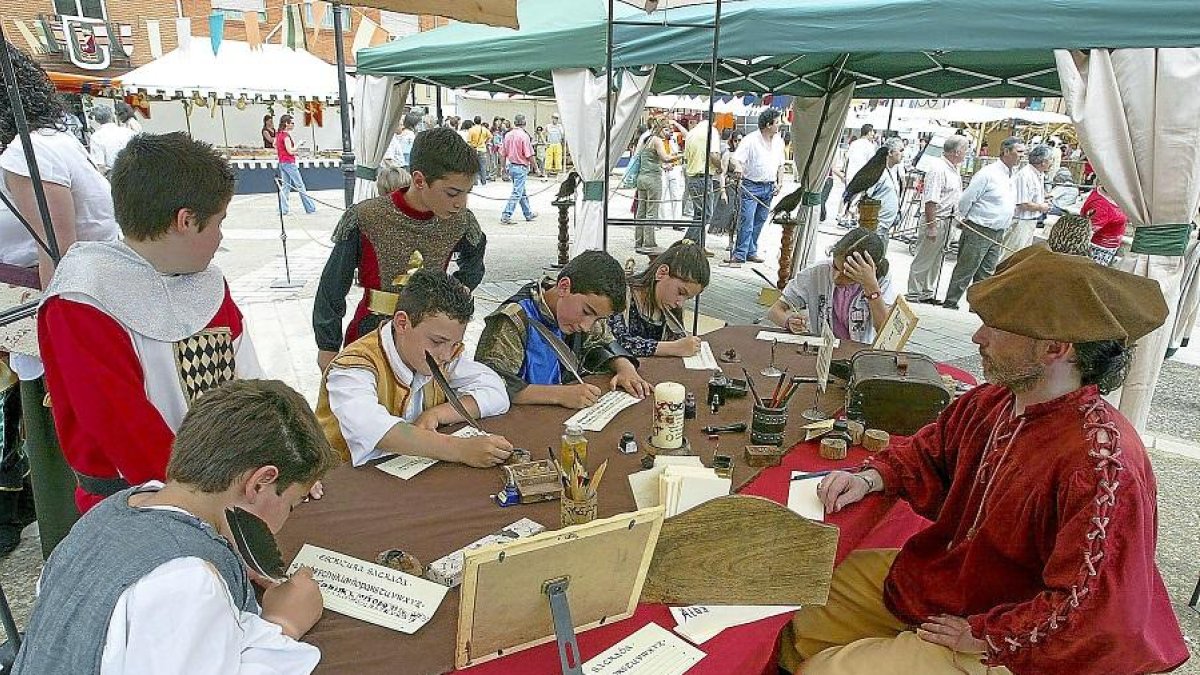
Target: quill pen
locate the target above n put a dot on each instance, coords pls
(674, 323)
(256, 544)
(565, 356)
(451, 397)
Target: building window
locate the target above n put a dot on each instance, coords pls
(234, 10)
(327, 20)
(92, 9)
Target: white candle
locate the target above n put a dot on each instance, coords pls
(668, 415)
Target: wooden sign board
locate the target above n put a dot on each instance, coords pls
(504, 607)
(742, 550)
(900, 324)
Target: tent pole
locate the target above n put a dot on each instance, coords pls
(187, 119)
(343, 104)
(224, 129)
(608, 87)
(891, 109)
(437, 102)
(705, 210)
(35, 176)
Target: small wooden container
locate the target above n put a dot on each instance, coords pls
(763, 455)
(856, 432)
(576, 512)
(833, 448)
(875, 440)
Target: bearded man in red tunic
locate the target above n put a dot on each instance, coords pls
(1040, 558)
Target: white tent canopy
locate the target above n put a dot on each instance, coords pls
(234, 71)
(969, 112)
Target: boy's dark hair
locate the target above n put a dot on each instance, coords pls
(157, 175)
(597, 273)
(244, 425)
(440, 152)
(430, 292)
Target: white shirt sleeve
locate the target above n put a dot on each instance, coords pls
(469, 377)
(932, 192)
(974, 189)
(354, 401)
(53, 166)
(180, 619)
(245, 360)
(796, 292)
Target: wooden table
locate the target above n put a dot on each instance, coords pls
(446, 507)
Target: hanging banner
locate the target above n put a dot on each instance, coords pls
(319, 10)
(253, 37)
(380, 37)
(183, 33)
(35, 45)
(293, 35)
(216, 29)
(154, 37)
(364, 35)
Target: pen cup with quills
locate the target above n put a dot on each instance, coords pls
(767, 425)
(576, 511)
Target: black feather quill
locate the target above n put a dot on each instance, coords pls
(566, 357)
(451, 396)
(256, 544)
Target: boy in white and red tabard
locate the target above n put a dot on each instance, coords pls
(133, 331)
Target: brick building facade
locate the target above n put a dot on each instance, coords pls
(112, 37)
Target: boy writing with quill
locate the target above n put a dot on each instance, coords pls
(389, 391)
(555, 329)
(148, 581)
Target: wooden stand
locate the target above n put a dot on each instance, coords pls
(564, 237)
(785, 253)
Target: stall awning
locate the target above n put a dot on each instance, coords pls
(72, 83)
(890, 48)
(270, 73)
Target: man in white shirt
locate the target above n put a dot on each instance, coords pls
(986, 210)
(399, 149)
(857, 155)
(108, 139)
(761, 155)
(939, 198)
(148, 582)
(1030, 189)
(378, 396)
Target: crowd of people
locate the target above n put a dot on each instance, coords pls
(164, 418)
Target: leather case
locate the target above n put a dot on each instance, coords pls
(897, 392)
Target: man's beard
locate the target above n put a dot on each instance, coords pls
(1019, 378)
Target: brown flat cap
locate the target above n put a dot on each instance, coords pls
(1053, 296)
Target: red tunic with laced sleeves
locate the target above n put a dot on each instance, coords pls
(1043, 537)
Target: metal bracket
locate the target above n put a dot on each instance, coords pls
(564, 629)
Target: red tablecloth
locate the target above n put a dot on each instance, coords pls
(876, 522)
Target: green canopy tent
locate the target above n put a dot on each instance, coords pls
(891, 48)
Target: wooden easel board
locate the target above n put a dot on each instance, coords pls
(899, 326)
(504, 608)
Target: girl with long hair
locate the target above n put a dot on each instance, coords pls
(677, 275)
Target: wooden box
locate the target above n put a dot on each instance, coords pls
(763, 455)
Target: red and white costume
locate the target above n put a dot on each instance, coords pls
(126, 351)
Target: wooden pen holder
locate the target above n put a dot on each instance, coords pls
(767, 425)
(576, 511)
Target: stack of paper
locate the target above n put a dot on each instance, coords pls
(704, 360)
(701, 623)
(652, 650)
(677, 484)
(802, 495)
(793, 339)
(407, 466)
(596, 416)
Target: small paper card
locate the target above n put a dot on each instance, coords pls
(407, 466)
(370, 592)
(802, 496)
(704, 360)
(600, 413)
(793, 339)
(701, 623)
(653, 650)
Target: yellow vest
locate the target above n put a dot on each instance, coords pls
(367, 353)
